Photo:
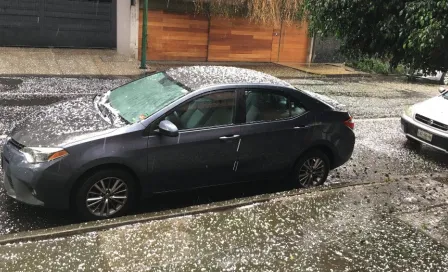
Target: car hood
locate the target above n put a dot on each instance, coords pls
(435, 108)
(60, 124)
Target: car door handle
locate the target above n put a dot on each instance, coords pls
(299, 127)
(225, 138)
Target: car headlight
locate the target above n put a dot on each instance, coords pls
(410, 111)
(42, 154)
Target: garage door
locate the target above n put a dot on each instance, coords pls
(58, 23)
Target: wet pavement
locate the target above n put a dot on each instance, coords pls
(381, 151)
(378, 227)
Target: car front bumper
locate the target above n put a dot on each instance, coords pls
(18, 189)
(41, 184)
(410, 127)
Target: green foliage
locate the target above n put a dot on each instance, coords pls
(377, 66)
(371, 65)
(413, 32)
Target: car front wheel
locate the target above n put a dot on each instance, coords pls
(444, 79)
(312, 169)
(105, 194)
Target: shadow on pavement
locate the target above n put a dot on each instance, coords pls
(428, 153)
(175, 200)
(18, 217)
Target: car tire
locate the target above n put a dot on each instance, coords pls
(115, 187)
(311, 169)
(411, 78)
(444, 79)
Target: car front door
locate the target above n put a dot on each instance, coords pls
(272, 135)
(204, 153)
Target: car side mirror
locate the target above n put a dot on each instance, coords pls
(167, 128)
(442, 90)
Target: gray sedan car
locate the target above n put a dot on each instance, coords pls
(183, 128)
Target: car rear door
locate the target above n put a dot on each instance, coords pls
(273, 133)
(204, 153)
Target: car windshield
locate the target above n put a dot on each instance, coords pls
(445, 95)
(141, 98)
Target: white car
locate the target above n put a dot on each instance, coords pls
(427, 122)
(439, 77)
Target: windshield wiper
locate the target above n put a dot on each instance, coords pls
(107, 111)
(103, 111)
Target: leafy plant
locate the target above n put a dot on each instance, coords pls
(377, 66)
(411, 32)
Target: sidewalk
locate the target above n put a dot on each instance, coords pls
(65, 62)
(326, 69)
(273, 69)
(389, 226)
(18, 61)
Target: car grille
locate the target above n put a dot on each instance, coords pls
(15, 144)
(431, 122)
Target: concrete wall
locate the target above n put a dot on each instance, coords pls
(127, 28)
(134, 27)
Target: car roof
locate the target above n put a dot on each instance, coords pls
(199, 77)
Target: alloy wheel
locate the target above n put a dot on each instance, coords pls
(312, 172)
(107, 197)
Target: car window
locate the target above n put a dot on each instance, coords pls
(211, 110)
(297, 108)
(267, 106)
(141, 98)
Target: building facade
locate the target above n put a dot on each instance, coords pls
(175, 32)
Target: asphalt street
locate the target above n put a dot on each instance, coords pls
(381, 151)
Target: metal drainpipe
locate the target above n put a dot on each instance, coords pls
(144, 35)
(310, 55)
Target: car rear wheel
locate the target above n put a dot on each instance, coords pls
(105, 194)
(312, 169)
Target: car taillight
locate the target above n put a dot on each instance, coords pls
(349, 123)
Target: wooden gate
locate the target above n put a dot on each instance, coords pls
(293, 44)
(187, 37)
(239, 39)
(174, 36)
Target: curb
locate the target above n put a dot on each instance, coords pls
(317, 75)
(117, 76)
(320, 76)
(150, 71)
(312, 76)
(135, 76)
(77, 229)
(76, 76)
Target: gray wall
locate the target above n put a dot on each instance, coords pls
(326, 50)
(123, 27)
(127, 28)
